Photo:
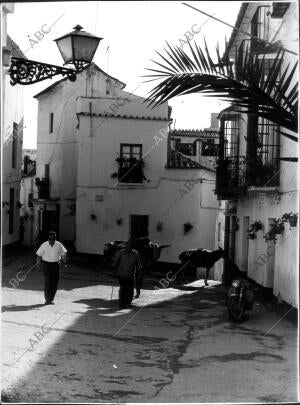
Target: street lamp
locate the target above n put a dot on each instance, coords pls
(77, 49)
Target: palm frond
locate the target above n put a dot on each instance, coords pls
(244, 84)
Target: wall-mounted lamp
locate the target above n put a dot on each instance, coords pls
(77, 49)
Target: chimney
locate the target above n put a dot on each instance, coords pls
(214, 122)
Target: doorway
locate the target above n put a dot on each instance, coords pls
(139, 226)
(49, 221)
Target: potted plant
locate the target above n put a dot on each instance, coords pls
(276, 229)
(254, 228)
(291, 218)
(278, 226)
(159, 226)
(187, 227)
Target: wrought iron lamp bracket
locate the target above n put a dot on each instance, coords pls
(25, 71)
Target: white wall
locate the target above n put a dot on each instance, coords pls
(12, 98)
(165, 198)
(82, 152)
(27, 186)
(59, 149)
(263, 204)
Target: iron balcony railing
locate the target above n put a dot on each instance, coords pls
(131, 170)
(230, 178)
(235, 175)
(262, 174)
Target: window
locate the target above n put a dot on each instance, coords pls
(219, 231)
(263, 153)
(11, 211)
(231, 136)
(260, 27)
(279, 9)
(47, 171)
(14, 151)
(209, 148)
(188, 149)
(108, 86)
(51, 120)
(30, 198)
(131, 151)
(130, 164)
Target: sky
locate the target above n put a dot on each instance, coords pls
(132, 32)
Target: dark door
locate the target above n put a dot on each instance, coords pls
(50, 221)
(138, 226)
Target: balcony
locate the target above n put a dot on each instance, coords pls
(43, 188)
(279, 9)
(235, 176)
(230, 178)
(262, 175)
(131, 170)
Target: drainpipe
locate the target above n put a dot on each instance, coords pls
(91, 119)
(226, 269)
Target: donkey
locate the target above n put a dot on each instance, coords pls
(201, 258)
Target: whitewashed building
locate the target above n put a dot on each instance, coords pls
(12, 137)
(108, 171)
(27, 191)
(259, 195)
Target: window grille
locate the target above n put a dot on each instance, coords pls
(231, 136)
(209, 148)
(14, 151)
(51, 121)
(260, 27)
(268, 151)
(188, 149)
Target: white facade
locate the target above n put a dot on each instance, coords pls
(26, 212)
(12, 137)
(274, 266)
(93, 118)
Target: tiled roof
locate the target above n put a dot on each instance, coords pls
(15, 50)
(195, 133)
(178, 160)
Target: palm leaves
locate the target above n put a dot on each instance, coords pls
(245, 84)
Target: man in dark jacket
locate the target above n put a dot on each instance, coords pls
(127, 262)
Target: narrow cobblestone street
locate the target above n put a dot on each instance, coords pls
(172, 345)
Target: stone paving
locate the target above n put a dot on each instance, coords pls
(173, 345)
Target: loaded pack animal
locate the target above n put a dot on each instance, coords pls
(200, 258)
(149, 252)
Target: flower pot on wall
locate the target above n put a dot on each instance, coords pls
(293, 221)
(254, 228)
(159, 226)
(291, 218)
(187, 227)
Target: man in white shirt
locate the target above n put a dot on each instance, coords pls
(50, 253)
